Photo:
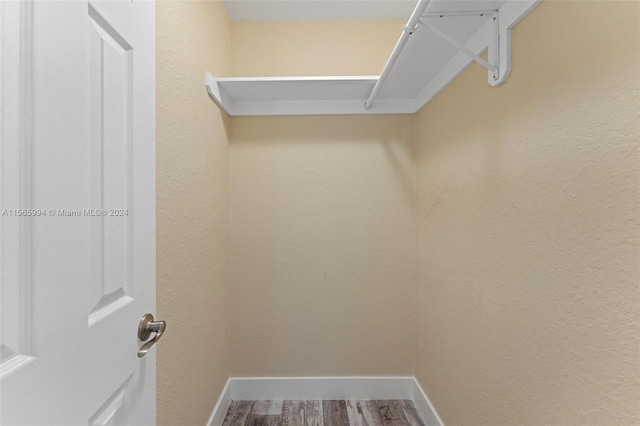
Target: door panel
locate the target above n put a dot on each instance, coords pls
(78, 149)
(110, 181)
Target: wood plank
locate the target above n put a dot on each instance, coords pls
(392, 413)
(267, 408)
(411, 413)
(363, 413)
(319, 413)
(237, 413)
(260, 420)
(293, 413)
(313, 413)
(335, 413)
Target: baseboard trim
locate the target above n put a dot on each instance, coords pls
(220, 410)
(260, 388)
(321, 388)
(424, 406)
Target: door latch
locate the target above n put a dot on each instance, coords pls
(146, 327)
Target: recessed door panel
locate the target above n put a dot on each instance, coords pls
(114, 411)
(110, 181)
(16, 286)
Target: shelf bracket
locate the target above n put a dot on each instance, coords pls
(496, 77)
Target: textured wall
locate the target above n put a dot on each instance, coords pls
(322, 216)
(322, 247)
(192, 200)
(275, 48)
(528, 209)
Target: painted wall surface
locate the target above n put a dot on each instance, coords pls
(528, 234)
(276, 48)
(322, 215)
(322, 247)
(193, 212)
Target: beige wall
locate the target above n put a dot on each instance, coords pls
(528, 207)
(322, 246)
(528, 201)
(192, 217)
(273, 49)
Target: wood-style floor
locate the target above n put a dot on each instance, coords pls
(323, 413)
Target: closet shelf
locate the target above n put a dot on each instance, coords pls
(300, 96)
(441, 39)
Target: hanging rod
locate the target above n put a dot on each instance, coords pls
(492, 12)
(406, 33)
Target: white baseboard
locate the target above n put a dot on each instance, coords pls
(262, 388)
(321, 388)
(424, 406)
(220, 410)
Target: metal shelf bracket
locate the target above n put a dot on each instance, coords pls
(498, 44)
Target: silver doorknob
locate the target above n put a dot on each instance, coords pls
(146, 327)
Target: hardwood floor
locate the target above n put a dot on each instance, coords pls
(323, 413)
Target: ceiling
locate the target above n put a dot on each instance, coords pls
(314, 10)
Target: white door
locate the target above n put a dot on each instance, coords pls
(77, 198)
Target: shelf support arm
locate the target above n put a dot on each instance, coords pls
(462, 48)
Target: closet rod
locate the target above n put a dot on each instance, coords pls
(406, 32)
